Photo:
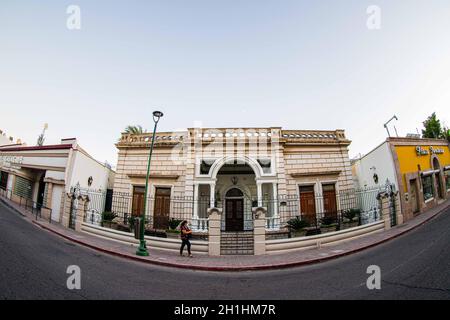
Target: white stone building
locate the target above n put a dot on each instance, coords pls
(287, 172)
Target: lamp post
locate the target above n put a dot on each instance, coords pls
(142, 250)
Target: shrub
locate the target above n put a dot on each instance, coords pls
(108, 216)
(351, 214)
(173, 223)
(328, 221)
(297, 224)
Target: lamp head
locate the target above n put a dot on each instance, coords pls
(157, 115)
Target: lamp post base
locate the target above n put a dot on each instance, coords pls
(142, 250)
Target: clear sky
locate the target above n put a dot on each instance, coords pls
(295, 64)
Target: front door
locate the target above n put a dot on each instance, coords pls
(234, 214)
(414, 199)
(308, 204)
(162, 208)
(329, 200)
(137, 207)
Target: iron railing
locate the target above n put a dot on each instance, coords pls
(28, 204)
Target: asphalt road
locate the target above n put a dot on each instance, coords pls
(33, 265)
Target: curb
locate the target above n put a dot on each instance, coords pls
(240, 268)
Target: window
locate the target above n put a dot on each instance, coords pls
(205, 166)
(307, 204)
(427, 183)
(266, 165)
(3, 180)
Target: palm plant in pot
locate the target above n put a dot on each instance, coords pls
(172, 231)
(297, 227)
(107, 219)
(351, 217)
(328, 224)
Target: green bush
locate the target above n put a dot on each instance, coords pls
(108, 216)
(173, 223)
(351, 214)
(328, 221)
(297, 224)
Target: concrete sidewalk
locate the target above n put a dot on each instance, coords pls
(230, 263)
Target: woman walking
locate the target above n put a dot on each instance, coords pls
(186, 234)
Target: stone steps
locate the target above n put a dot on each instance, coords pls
(237, 243)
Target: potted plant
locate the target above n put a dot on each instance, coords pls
(351, 217)
(297, 227)
(172, 232)
(328, 224)
(107, 219)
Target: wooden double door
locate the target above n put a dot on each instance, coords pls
(161, 208)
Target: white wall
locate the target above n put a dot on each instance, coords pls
(85, 167)
(56, 201)
(381, 160)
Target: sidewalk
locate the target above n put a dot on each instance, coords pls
(231, 263)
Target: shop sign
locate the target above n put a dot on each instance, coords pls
(9, 161)
(423, 152)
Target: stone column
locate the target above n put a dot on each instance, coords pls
(212, 195)
(214, 231)
(83, 202)
(385, 211)
(398, 209)
(66, 210)
(259, 193)
(259, 231)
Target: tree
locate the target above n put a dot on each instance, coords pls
(446, 134)
(135, 130)
(432, 127)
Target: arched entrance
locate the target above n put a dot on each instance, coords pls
(234, 210)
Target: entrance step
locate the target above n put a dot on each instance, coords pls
(236, 243)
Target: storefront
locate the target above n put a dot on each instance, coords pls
(418, 167)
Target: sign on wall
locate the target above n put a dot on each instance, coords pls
(9, 161)
(420, 151)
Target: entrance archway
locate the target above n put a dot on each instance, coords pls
(234, 210)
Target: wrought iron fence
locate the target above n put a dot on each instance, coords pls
(344, 209)
(35, 208)
(319, 213)
(164, 213)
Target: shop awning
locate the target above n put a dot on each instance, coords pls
(429, 172)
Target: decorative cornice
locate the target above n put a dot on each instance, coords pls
(153, 176)
(316, 173)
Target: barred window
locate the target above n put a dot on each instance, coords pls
(447, 179)
(427, 183)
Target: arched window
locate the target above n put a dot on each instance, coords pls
(235, 192)
(436, 165)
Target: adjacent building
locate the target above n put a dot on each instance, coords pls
(419, 169)
(41, 174)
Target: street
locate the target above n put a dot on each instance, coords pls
(34, 262)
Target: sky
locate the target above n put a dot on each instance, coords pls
(292, 64)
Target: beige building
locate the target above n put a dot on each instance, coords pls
(287, 172)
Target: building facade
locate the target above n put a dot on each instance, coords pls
(419, 168)
(286, 172)
(42, 174)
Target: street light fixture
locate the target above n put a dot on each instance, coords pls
(142, 250)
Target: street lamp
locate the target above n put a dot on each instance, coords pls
(142, 250)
